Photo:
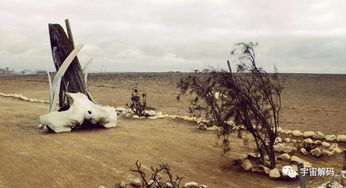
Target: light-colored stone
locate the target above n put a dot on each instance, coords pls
(317, 142)
(279, 147)
(122, 184)
(286, 131)
(297, 133)
(327, 152)
(101, 186)
(274, 173)
(284, 156)
(246, 164)
(341, 138)
(287, 140)
(333, 145)
(303, 150)
(297, 159)
(168, 185)
(308, 134)
(318, 135)
(317, 152)
(191, 185)
(213, 128)
(136, 182)
(283, 148)
(337, 150)
(254, 155)
(260, 169)
(278, 140)
(330, 137)
(294, 141)
(325, 144)
(203, 126)
(308, 141)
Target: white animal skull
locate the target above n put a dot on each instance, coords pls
(81, 109)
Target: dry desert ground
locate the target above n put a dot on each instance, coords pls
(30, 157)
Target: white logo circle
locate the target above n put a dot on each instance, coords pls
(288, 171)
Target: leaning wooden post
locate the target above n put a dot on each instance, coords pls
(69, 32)
(73, 79)
(302, 180)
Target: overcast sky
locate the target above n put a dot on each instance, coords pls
(178, 35)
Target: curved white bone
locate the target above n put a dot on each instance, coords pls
(81, 109)
(58, 76)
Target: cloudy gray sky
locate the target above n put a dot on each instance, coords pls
(178, 35)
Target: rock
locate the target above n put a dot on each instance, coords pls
(317, 152)
(318, 135)
(101, 186)
(325, 144)
(260, 169)
(266, 157)
(294, 148)
(294, 141)
(317, 142)
(299, 160)
(126, 115)
(303, 150)
(150, 112)
(122, 184)
(135, 117)
(287, 140)
(278, 140)
(341, 138)
(172, 116)
(333, 145)
(334, 184)
(159, 114)
(308, 134)
(279, 147)
(153, 183)
(203, 126)
(283, 148)
(136, 182)
(168, 185)
(330, 137)
(327, 152)
(254, 155)
(284, 157)
(191, 185)
(337, 150)
(203, 186)
(274, 173)
(213, 128)
(297, 133)
(286, 131)
(152, 117)
(246, 164)
(308, 141)
(121, 109)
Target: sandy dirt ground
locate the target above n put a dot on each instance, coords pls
(88, 158)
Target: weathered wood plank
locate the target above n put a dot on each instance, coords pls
(61, 46)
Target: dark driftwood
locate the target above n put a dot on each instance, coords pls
(73, 80)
